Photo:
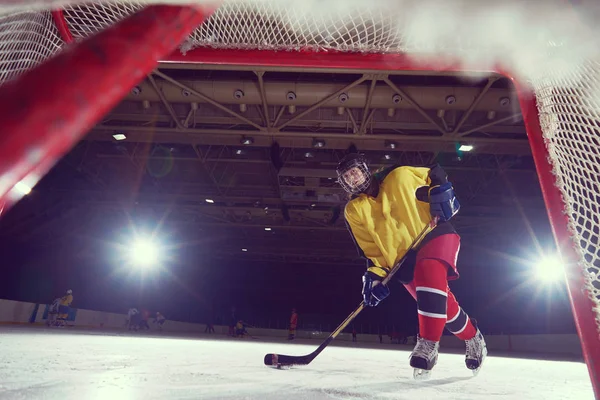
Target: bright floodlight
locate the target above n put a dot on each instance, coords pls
(549, 269)
(144, 253)
(119, 136)
(465, 147)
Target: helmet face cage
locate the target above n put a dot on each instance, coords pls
(356, 161)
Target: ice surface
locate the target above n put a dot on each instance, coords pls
(65, 365)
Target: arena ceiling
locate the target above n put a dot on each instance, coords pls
(261, 146)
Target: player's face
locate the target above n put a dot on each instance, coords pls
(354, 177)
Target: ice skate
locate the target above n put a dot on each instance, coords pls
(476, 353)
(423, 358)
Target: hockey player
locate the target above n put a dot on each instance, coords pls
(293, 325)
(63, 308)
(387, 212)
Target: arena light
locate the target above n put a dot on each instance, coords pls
(247, 141)
(209, 201)
(144, 253)
(318, 143)
(119, 136)
(465, 147)
(549, 269)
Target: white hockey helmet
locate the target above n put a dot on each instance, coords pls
(69, 291)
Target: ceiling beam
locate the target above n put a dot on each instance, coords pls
(323, 101)
(207, 99)
(338, 140)
(409, 100)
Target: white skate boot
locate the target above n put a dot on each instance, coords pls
(476, 352)
(423, 358)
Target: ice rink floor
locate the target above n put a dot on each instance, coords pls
(47, 364)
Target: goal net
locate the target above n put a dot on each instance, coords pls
(545, 46)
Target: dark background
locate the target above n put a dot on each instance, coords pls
(193, 284)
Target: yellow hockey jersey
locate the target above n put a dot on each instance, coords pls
(385, 226)
(66, 300)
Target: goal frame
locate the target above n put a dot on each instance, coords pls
(31, 144)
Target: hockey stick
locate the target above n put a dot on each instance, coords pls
(280, 360)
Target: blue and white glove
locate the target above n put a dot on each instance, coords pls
(373, 290)
(443, 202)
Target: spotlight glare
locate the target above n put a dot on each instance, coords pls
(144, 253)
(465, 147)
(549, 269)
(244, 250)
(267, 229)
(209, 201)
(119, 136)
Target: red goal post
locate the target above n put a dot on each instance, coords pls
(46, 109)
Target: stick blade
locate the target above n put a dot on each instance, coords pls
(280, 360)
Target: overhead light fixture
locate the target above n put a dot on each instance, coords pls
(244, 250)
(465, 147)
(267, 229)
(308, 154)
(119, 136)
(313, 205)
(391, 145)
(209, 201)
(239, 152)
(387, 156)
(246, 141)
(318, 143)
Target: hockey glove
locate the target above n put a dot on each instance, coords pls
(373, 290)
(443, 202)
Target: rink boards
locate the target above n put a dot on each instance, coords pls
(15, 312)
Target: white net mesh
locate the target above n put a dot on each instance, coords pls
(26, 39)
(536, 43)
(569, 108)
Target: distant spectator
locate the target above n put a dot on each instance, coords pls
(293, 325)
(132, 316)
(240, 329)
(159, 320)
(53, 312)
(143, 324)
(63, 308)
(354, 334)
(232, 322)
(209, 328)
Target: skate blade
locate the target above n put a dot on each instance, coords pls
(484, 355)
(421, 374)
